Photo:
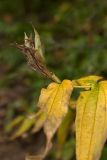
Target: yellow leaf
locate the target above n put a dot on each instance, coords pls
(91, 122)
(25, 126)
(14, 123)
(54, 103)
(39, 121)
(56, 106)
(87, 81)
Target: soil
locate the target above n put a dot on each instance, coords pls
(18, 149)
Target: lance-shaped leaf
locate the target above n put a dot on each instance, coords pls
(65, 127)
(14, 123)
(91, 122)
(27, 123)
(38, 45)
(63, 132)
(34, 120)
(54, 103)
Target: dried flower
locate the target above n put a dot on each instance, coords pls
(32, 49)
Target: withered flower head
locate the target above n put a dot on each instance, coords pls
(32, 49)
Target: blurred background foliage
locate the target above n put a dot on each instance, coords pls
(74, 35)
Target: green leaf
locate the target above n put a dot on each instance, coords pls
(25, 126)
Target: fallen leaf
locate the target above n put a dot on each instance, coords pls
(91, 122)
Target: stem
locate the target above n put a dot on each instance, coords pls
(82, 86)
(56, 79)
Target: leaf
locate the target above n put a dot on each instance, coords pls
(14, 123)
(104, 153)
(38, 45)
(56, 106)
(64, 128)
(63, 132)
(25, 126)
(34, 121)
(69, 150)
(39, 121)
(91, 122)
(53, 102)
(87, 81)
